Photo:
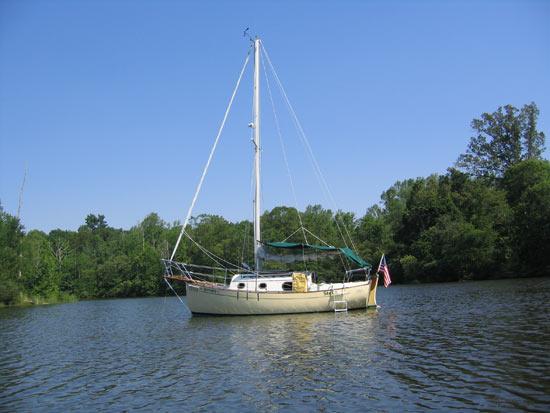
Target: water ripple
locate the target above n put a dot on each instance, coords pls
(466, 347)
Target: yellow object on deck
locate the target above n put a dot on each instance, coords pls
(299, 282)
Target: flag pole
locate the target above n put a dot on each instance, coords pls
(380, 264)
(383, 267)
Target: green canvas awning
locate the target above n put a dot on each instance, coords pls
(347, 252)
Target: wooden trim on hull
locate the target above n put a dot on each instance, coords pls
(221, 301)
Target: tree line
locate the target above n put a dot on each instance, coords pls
(487, 217)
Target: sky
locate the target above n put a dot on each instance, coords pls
(112, 106)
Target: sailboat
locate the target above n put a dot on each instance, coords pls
(231, 289)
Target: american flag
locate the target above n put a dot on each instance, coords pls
(383, 267)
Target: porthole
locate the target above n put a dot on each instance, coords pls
(263, 285)
(287, 286)
(240, 286)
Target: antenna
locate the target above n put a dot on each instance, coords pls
(19, 215)
(246, 34)
(21, 193)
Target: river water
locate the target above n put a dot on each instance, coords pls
(459, 346)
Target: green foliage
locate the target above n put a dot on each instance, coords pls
(9, 292)
(410, 268)
(528, 191)
(96, 222)
(440, 228)
(453, 250)
(95, 261)
(11, 234)
(503, 138)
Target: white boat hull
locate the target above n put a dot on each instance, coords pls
(223, 301)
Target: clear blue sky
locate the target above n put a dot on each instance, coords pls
(114, 105)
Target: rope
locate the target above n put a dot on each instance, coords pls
(199, 186)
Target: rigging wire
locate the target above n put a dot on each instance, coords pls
(283, 149)
(287, 238)
(309, 151)
(305, 142)
(317, 238)
(213, 256)
(301, 133)
(199, 186)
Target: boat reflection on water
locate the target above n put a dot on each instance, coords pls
(273, 340)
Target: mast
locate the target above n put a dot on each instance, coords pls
(256, 126)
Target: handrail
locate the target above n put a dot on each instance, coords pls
(171, 262)
(358, 270)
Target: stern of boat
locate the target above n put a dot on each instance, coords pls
(371, 298)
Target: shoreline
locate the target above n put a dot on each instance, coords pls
(32, 301)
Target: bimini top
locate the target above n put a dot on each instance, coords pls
(347, 252)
